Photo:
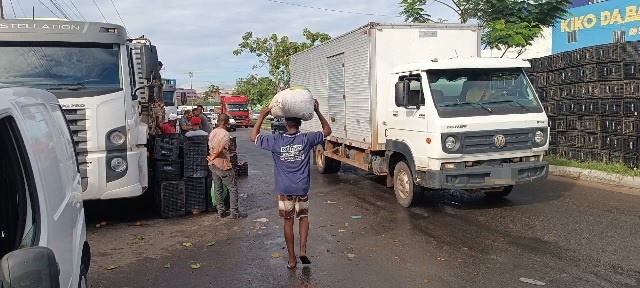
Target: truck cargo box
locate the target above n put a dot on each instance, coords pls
(346, 73)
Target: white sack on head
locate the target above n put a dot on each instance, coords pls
(293, 102)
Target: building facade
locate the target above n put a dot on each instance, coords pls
(595, 22)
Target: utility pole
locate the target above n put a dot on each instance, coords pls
(1, 11)
(190, 77)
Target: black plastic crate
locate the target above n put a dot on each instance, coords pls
(195, 149)
(630, 160)
(631, 107)
(630, 144)
(616, 157)
(632, 88)
(612, 125)
(242, 169)
(550, 108)
(567, 108)
(612, 143)
(233, 145)
(572, 122)
(588, 73)
(591, 107)
(631, 126)
(591, 141)
(568, 92)
(570, 139)
(589, 124)
(612, 89)
(588, 54)
(167, 170)
(614, 107)
(541, 80)
(611, 72)
(171, 199)
(195, 194)
(609, 52)
(559, 123)
(166, 147)
(553, 138)
(577, 58)
(631, 70)
(588, 90)
(196, 168)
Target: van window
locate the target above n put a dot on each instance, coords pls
(19, 212)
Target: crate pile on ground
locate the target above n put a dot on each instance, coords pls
(592, 98)
(166, 177)
(197, 178)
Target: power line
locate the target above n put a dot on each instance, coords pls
(20, 5)
(74, 6)
(60, 9)
(14, 10)
(45, 6)
(332, 10)
(72, 11)
(105, 18)
(118, 12)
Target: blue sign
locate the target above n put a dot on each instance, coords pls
(578, 3)
(597, 24)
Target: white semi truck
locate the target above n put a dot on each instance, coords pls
(415, 102)
(101, 78)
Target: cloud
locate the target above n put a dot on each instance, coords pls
(199, 35)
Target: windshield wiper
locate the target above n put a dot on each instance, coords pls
(65, 86)
(507, 101)
(467, 103)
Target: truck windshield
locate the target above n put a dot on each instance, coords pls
(60, 65)
(169, 97)
(237, 107)
(476, 92)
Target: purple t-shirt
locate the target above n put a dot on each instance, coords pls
(292, 160)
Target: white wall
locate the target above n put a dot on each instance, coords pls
(539, 48)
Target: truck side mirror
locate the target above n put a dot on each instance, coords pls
(30, 268)
(402, 88)
(149, 58)
(183, 98)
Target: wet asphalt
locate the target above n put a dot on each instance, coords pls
(561, 232)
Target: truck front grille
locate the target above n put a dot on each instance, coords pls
(483, 141)
(77, 119)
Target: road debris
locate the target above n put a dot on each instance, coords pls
(187, 244)
(211, 244)
(532, 281)
(138, 223)
(262, 220)
(356, 217)
(351, 256)
(331, 202)
(111, 267)
(275, 255)
(168, 265)
(195, 266)
(138, 238)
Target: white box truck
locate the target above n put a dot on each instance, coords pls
(415, 102)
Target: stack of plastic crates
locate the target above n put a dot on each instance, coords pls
(592, 98)
(166, 177)
(196, 173)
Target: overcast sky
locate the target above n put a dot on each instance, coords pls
(199, 35)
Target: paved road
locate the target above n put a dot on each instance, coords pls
(561, 232)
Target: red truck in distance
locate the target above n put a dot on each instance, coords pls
(237, 106)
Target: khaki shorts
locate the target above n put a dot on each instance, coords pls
(290, 206)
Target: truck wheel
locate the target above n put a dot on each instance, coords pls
(499, 194)
(407, 192)
(325, 164)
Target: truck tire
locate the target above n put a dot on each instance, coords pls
(85, 261)
(325, 165)
(499, 194)
(407, 192)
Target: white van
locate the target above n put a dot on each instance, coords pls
(43, 233)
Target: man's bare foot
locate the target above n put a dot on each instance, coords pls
(292, 263)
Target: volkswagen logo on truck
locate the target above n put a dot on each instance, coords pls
(500, 141)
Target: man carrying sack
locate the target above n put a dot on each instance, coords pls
(291, 156)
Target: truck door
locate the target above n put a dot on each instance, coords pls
(408, 123)
(336, 97)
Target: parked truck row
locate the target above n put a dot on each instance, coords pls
(415, 102)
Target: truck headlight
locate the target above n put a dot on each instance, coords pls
(539, 137)
(116, 137)
(118, 164)
(450, 143)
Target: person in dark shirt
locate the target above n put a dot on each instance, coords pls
(291, 157)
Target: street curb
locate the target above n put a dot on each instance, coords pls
(595, 176)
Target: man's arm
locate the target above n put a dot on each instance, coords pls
(326, 128)
(256, 127)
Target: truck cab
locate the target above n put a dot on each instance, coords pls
(237, 106)
(42, 219)
(473, 124)
(100, 77)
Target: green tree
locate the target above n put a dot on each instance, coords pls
(259, 90)
(274, 52)
(506, 24)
